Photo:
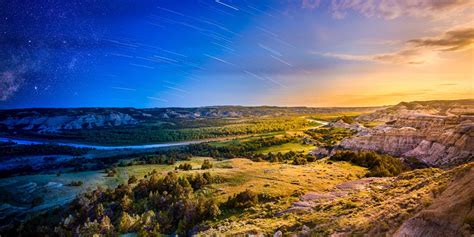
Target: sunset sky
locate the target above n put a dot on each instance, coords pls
(152, 53)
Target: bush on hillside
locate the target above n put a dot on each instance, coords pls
(379, 165)
(185, 166)
(247, 199)
(206, 164)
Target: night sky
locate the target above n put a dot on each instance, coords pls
(156, 53)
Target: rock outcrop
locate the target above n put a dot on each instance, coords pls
(353, 126)
(435, 140)
(438, 140)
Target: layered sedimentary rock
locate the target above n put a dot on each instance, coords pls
(439, 140)
(435, 140)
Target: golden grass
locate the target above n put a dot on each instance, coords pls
(276, 179)
(329, 116)
(285, 181)
(373, 124)
(287, 147)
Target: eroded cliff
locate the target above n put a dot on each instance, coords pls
(439, 140)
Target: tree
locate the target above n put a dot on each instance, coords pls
(185, 166)
(206, 164)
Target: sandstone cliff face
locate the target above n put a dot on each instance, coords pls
(52, 124)
(435, 140)
(395, 141)
(454, 146)
(439, 133)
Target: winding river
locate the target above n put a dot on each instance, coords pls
(98, 147)
(131, 147)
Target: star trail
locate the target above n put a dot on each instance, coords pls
(154, 53)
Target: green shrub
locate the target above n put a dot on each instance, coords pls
(247, 199)
(206, 164)
(379, 165)
(243, 199)
(185, 166)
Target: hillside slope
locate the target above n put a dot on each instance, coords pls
(451, 214)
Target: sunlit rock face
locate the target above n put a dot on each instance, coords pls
(454, 146)
(435, 140)
(395, 141)
(439, 133)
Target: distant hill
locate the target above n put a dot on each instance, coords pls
(433, 107)
(50, 120)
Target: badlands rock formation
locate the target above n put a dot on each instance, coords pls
(439, 140)
(53, 120)
(52, 124)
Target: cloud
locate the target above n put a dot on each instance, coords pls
(417, 51)
(388, 94)
(347, 57)
(405, 56)
(450, 41)
(391, 9)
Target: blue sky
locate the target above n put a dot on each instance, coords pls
(195, 53)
